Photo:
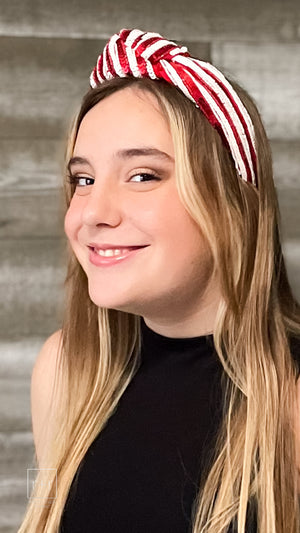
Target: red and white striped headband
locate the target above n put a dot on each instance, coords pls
(149, 55)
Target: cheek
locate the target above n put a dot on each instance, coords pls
(187, 247)
(71, 223)
(179, 227)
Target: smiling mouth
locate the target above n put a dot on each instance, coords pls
(115, 252)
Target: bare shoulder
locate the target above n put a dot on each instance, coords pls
(42, 389)
(48, 355)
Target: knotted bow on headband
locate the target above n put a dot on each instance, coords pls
(149, 55)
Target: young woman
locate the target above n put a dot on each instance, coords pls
(168, 401)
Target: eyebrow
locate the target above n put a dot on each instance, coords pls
(126, 154)
(133, 152)
(77, 161)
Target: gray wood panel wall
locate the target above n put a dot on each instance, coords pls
(47, 50)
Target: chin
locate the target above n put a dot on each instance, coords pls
(109, 301)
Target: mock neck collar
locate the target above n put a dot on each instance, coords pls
(157, 343)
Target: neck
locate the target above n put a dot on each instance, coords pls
(187, 324)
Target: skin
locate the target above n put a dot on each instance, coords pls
(169, 282)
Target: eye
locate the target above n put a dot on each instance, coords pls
(80, 181)
(143, 177)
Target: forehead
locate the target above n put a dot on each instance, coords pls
(123, 119)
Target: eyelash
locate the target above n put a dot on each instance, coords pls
(73, 179)
(143, 174)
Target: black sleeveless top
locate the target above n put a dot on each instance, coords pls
(141, 474)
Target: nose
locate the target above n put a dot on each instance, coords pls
(102, 206)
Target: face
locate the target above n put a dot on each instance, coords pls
(140, 249)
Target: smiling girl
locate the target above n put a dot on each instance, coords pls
(168, 401)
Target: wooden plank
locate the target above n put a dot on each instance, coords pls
(31, 287)
(286, 160)
(16, 448)
(289, 202)
(199, 49)
(292, 255)
(203, 20)
(54, 76)
(42, 84)
(31, 165)
(271, 74)
(18, 357)
(32, 215)
(32, 204)
(32, 292)
(15, 405)
(39, 215)
(13, 512)
(16, 456)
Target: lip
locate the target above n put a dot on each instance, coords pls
(101, 261)
(107, 246)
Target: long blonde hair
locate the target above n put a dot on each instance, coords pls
(255, 460)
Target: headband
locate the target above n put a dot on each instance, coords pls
(149, 55)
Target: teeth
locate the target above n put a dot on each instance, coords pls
(111, 253)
